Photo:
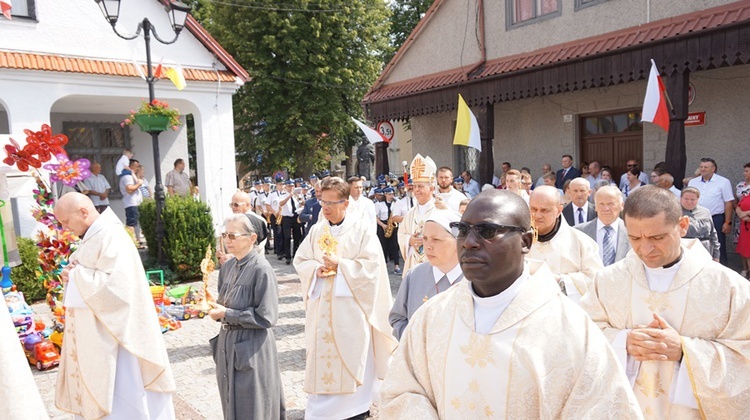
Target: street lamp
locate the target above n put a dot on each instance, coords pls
(178, 13)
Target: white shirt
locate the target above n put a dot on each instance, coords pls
(677, 193)
(454, 274)
(274, 199)
(600, 231)
(99, 184)
(381, 209)
(121, 164)
(714, 193)
(471, 188)
(452, 198)
(575, 213)
(592, 180)
(404, 205)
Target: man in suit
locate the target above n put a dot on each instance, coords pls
(309, 214)
(608, 230)
(567, 172)
(579, 210)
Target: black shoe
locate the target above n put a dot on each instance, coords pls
(288, 261)
(281, 257)
(361, 416)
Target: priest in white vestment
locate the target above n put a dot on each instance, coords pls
(114, 363)
(347, 297)
(677, 320)
(506, 343)
(410, 242)
(571, 254)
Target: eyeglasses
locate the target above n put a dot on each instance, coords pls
(486, 231)
(234, 205)
(233, 236)
(631, 166)
(325, 203)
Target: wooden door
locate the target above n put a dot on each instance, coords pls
(612, 139)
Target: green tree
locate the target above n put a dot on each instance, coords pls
(405, 15)
(311, 62)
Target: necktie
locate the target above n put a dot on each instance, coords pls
(565, 172)
(580, 216)
(411, 202)
(294, 208)
(608, 247)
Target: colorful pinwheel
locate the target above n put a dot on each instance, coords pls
(21, 157)
(68, 171)
(45, 143)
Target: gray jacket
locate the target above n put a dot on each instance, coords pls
(702, 228)
(621, 247)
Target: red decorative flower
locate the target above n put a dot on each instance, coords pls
(23, 158)
(45, 143)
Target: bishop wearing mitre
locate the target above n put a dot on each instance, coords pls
(410, 243)
(347, 299)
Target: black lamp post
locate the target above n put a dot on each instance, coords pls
(178, 13)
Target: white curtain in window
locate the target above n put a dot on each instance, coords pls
(19, 7)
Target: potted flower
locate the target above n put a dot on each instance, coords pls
(154, 116)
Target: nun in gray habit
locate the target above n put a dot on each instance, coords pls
(247, 365)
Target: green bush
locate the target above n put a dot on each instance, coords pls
(147, 221)
(24, 276)
(188, 230)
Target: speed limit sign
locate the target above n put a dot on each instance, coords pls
(385, 128)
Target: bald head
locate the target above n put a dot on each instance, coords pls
(76, 212)
(241, 202)
(503, 205)
(545, 204)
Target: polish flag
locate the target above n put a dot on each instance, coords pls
(5, 9)
(655, 102)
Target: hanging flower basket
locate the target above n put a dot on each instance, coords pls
(149, 122)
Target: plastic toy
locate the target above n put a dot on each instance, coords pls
(40, 352)
(184, 312)
(182, 295)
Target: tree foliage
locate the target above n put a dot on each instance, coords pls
(405, 15)
(311, 62)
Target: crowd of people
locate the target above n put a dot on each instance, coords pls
(572, 296)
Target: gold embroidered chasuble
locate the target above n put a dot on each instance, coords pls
(413, 223)
(543, 358)
(570, 253)
(112, 282)
(709, 305)
(338, 330)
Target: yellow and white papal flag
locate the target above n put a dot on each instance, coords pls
(177, 77)
(467, 127)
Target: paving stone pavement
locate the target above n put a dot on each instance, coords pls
(197, 395)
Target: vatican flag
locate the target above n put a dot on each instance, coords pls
(467, 127)
(177, 77)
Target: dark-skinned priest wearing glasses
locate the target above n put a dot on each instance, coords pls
(247, 364)
(506, 343)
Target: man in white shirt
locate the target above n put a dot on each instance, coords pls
(292, 231)
(608, 230)
(131, 197)
(545, 168)
(595, 173)
(579, 210)
(405, 203)
(98, 188)
(717, 196)
(471, 186)
(445, 189)
(360, 206)
(666, 181)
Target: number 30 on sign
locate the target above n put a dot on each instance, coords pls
(385, 128)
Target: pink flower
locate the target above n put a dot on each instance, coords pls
(127, 120)
(122, 124)
(174, 127)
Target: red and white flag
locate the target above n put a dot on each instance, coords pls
(655, 103)
(5, 9)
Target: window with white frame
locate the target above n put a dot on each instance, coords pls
(520, 12)
(580, 4)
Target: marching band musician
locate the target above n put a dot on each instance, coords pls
(388, 229)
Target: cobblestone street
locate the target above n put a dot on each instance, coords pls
(193, 367)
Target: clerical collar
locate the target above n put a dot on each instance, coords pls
(336, 224)
(548, 237)
(503, 298)
(453, 275)
(673, 263)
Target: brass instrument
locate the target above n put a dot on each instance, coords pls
(278, 218)
(268, 218)
(389, 226)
